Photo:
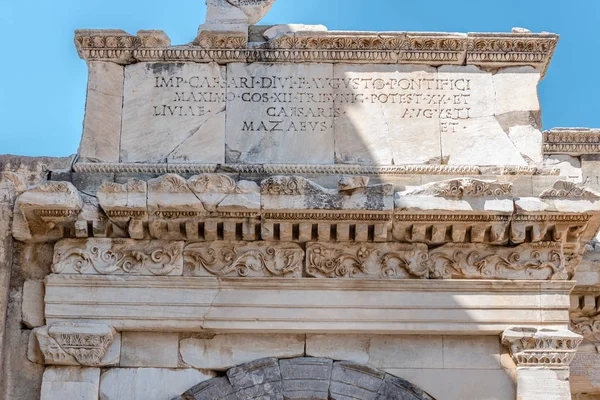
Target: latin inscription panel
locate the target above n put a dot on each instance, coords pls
(312, 114)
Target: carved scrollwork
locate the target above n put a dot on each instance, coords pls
(105, 257)
(487, 262)
(463, 187)
(244, 259)
(385, 260)
(569, 190)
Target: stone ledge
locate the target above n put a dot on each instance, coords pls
(495, 50)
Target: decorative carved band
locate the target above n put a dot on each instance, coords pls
(531, 347)
(281, 169)
(76, 344)
(493, 49)
(244, 259)
(388, 260)
(572, 141)
(541, 261)
(118, 256)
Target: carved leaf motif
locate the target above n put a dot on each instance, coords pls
(106, 259)
(244, 260)
(334, 263)
(569, 190)
(464, 187)
(498, 265)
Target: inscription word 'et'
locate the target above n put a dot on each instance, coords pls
(312, 101)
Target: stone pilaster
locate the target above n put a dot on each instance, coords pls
(543, 357)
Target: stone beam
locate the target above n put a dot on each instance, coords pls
(189, 304)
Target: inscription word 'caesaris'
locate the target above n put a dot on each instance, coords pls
(292, 103)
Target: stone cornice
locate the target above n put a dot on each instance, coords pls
(572, 141)
(490, 50)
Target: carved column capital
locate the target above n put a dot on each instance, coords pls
(531, 347)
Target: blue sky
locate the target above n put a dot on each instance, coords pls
(43, 85)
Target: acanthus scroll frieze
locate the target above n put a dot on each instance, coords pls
(118, 257)
(388, 260)
(254, 259)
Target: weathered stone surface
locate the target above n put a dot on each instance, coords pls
(174, 113)
(547, 384)
(233, 15)
(102, 124)
(21, 379)
(516, 90)
(298, 193)
(376, 118)
(568, 166)
(284, 29)
(362, 260)
(43, 208)
(244, 259)
(585, 369)
(76, 344)
(148, 383)
(169, 195)
(118, 257)
(148, 349)
(33, 303)
(241, 348)
(478, 143)
(590, 169)
(464, 194)
(77, 383)
(353, 348)
(260, 130)
(528, 141)
(260, 379)
(121, 202)
(306, 378)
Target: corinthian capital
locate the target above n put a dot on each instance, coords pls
(531, 347)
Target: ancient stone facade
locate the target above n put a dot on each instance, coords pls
(287, 212)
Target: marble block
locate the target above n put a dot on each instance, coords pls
(280, 113)
(79, 383)
(148, 383)
(210, 353)
(173, 112)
